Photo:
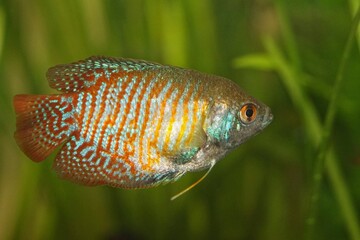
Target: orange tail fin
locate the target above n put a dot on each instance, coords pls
(43, 122)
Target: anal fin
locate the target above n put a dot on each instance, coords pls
(81, 162)
(76, 161)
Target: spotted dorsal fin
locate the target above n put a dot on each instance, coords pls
(77, 76)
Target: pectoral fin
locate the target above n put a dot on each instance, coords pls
(188, 151)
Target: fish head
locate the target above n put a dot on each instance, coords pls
(234, 117)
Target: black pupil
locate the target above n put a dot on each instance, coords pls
(249, 112)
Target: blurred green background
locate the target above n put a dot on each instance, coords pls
(285, 53)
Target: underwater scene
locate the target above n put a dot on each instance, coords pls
(180, 119)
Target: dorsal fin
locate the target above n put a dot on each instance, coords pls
(80, 75)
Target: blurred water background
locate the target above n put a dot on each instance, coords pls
(285, 53)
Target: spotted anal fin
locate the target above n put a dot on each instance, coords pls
(43, 122)
(79, 161)
(77, 76)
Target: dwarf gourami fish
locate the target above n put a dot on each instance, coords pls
(134, 124)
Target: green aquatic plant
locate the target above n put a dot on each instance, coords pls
(287, 54)
(291, 74)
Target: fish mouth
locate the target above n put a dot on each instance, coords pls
(267, 119)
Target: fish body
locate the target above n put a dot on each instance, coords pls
(132, 123)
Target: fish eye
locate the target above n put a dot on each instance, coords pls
(248, 113)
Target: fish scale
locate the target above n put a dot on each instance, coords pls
(128, 111)
(132, 123)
